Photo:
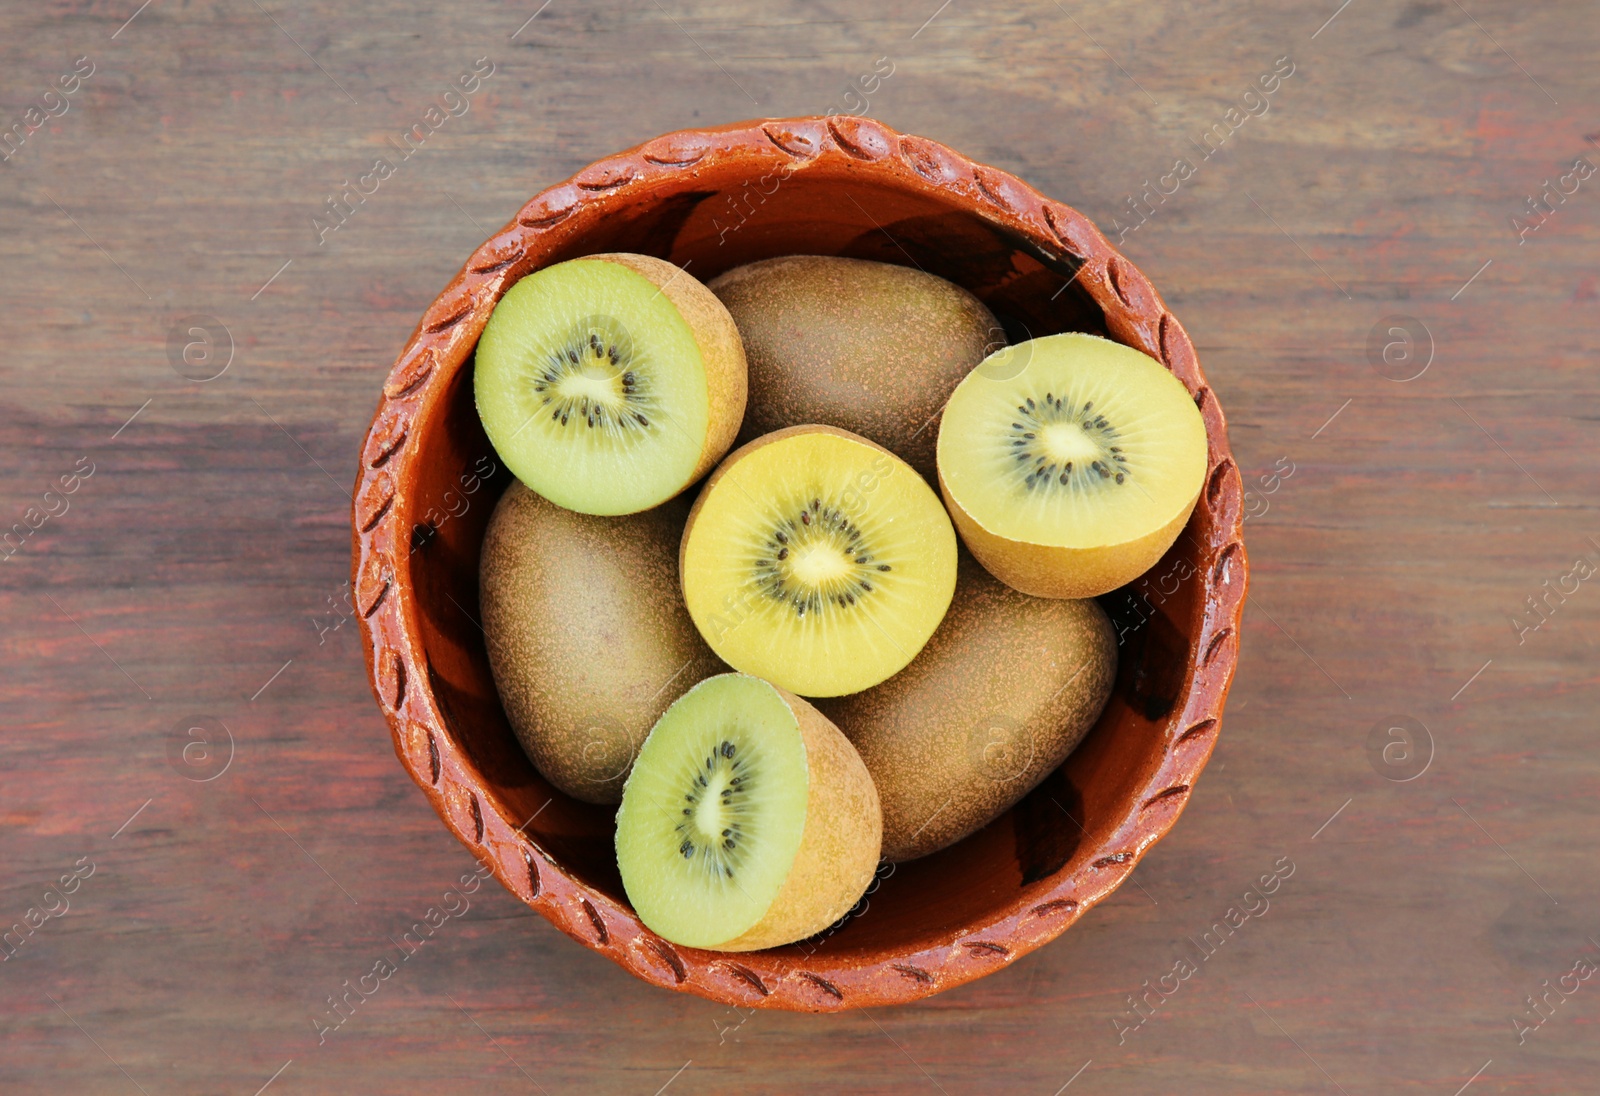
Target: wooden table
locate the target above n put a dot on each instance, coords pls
(1345, 230)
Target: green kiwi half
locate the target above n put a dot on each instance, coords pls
(748, 821)
(609, 384)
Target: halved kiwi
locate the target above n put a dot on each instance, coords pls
(818, 560)
(609, 384)
(1070, 463)
(748, 822)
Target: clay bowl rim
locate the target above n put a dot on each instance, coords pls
(441, 345)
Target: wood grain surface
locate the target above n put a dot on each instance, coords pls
(186, 915)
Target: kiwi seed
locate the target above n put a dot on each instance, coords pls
(597, 349)
(728, 775)
(816, 528)
(1039, 468)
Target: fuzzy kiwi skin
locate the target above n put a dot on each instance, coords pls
(588, 639)
(999, 697)
(870, 347)
(1047, 571)
(721, 349)
(839, 848)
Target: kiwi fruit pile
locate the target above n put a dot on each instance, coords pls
(861, 635)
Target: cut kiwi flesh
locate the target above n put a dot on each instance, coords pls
(606, 383)
(748, 820)
(1070, 463)
(817, 560)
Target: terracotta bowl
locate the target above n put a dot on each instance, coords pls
(709, 200)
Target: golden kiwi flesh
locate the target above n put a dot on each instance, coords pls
(1070, 464)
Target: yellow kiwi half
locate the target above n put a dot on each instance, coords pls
(999, 697)
(1070, 463)
(817, 560)
(587, 638)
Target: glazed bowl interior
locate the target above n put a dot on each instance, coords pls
(1077, 806)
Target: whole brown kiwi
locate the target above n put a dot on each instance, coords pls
(588, 639)
(870, 347)
(998, 698)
